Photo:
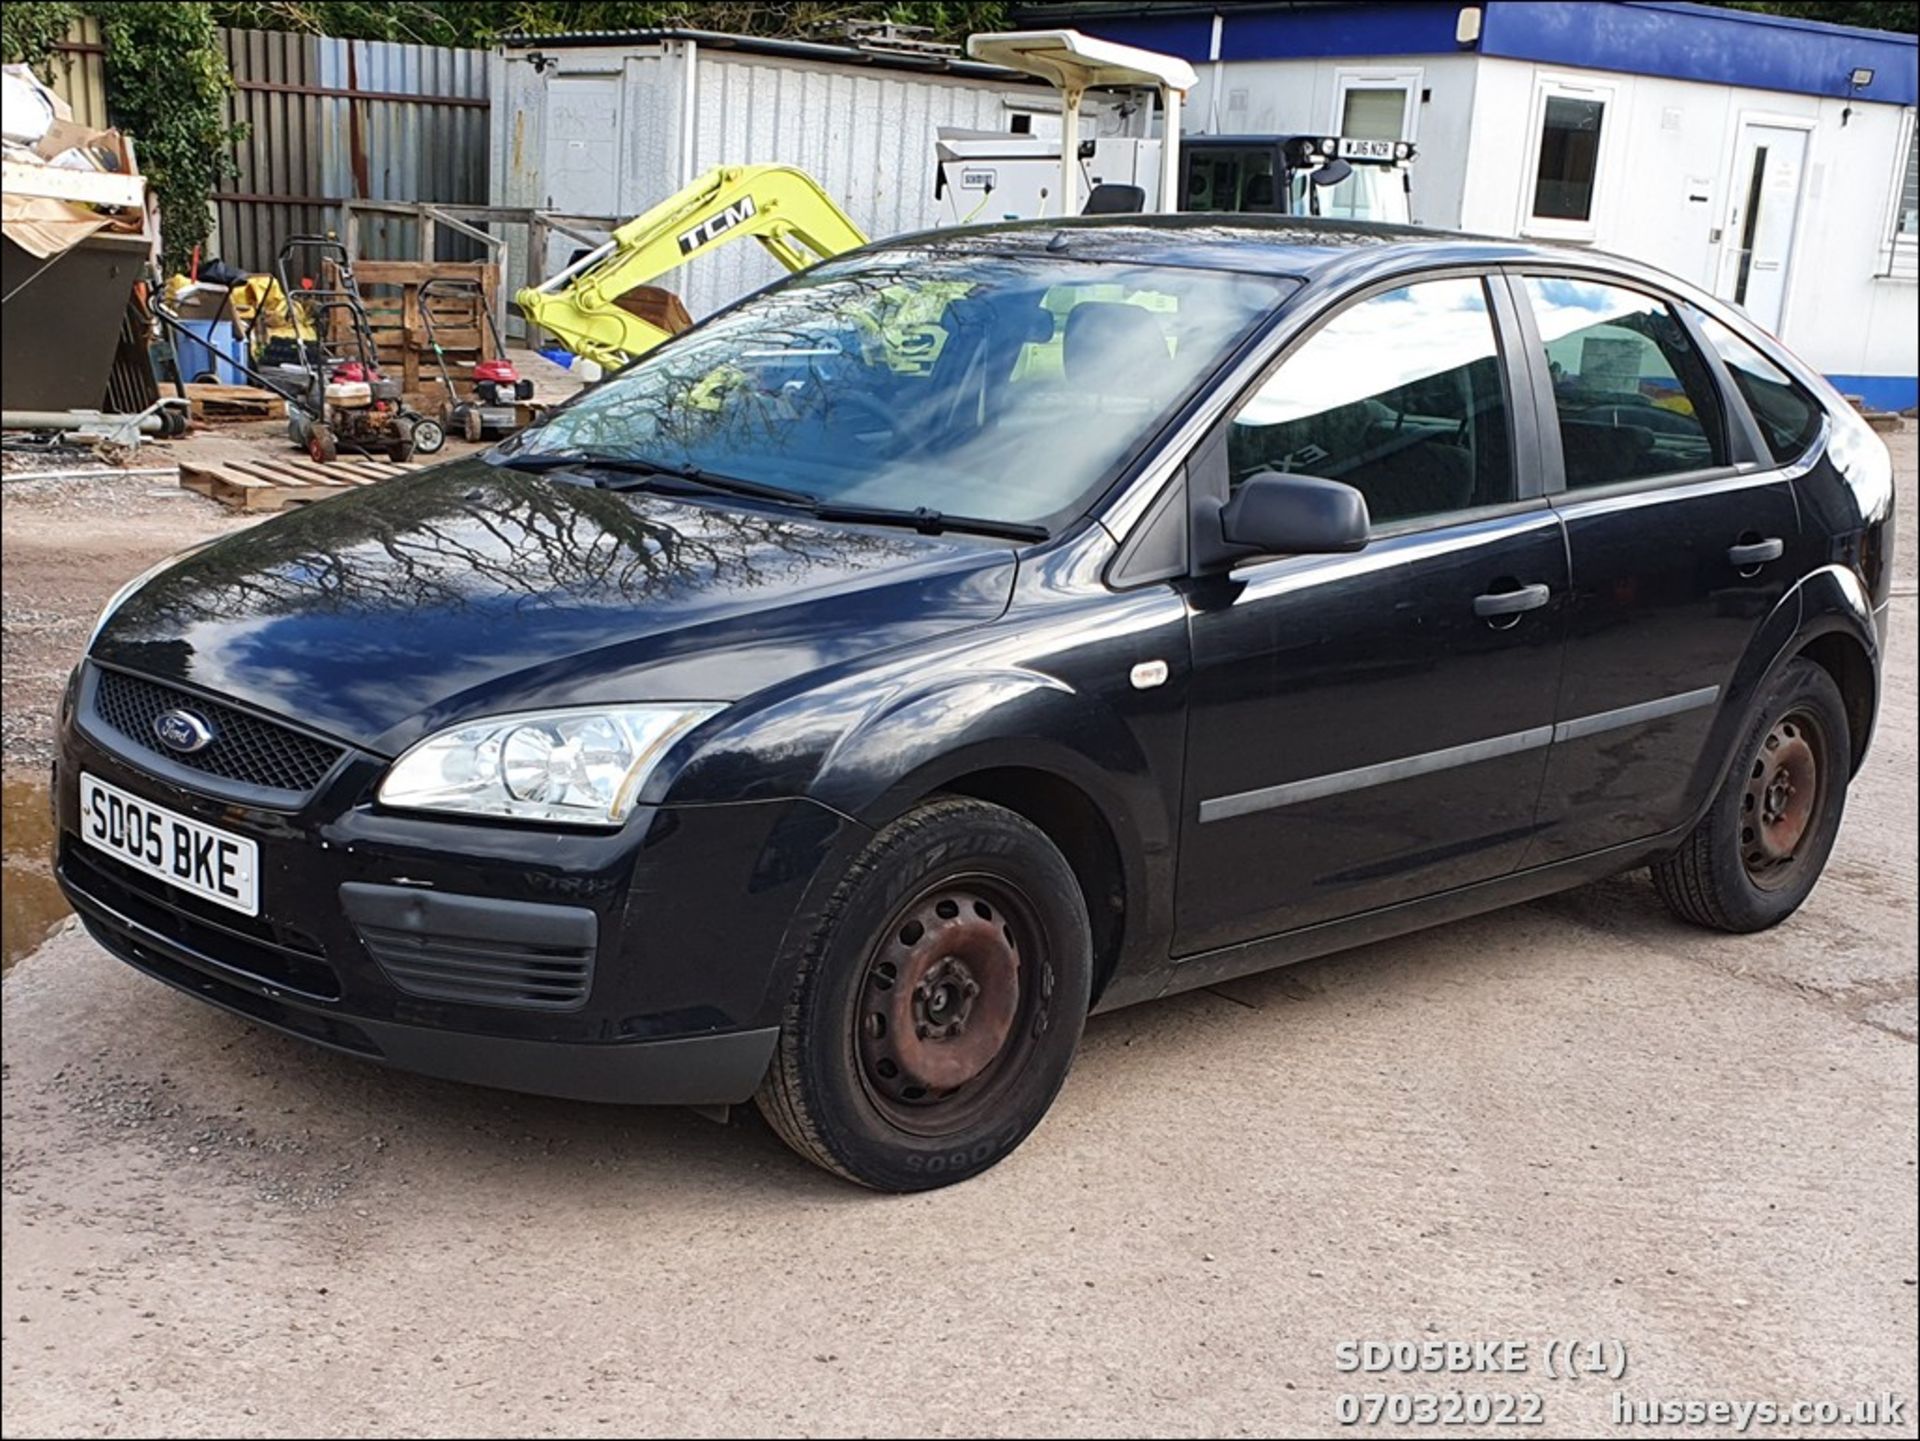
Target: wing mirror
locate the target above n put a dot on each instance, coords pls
(1276, 513)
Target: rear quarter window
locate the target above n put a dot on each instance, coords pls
(1788, 414)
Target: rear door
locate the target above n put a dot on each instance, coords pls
(1681, 536)
(1367, 729)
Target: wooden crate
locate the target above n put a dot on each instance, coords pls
(272, 483)
(214, 404)
(390, 290)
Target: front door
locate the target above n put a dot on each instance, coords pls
(1758, 242)
(1678, 555)
(1366, 729)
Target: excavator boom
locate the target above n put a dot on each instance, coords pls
(783, 208)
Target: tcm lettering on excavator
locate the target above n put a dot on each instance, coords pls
(603, 306)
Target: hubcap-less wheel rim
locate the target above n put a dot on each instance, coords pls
(1781, 800)
(953, 994)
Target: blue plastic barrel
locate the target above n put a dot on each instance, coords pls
(213, 348)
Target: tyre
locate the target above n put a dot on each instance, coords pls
(1761, 846)
(938, 1005)
(429, 436)
(400, 448)
(322, 444)
(471, 424)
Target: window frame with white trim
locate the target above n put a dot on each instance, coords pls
(1408, 79)
(1546, 89)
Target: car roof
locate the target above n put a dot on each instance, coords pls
(1293, 245)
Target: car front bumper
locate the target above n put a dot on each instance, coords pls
(386, 935)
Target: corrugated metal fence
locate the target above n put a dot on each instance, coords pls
(78, 71)
(329, 120)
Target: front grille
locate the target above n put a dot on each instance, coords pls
(245, 747)
(277, 955)
(486, 973)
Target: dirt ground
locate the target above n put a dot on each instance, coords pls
(1574, 1119)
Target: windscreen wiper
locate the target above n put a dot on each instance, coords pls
(927, 520)
(922, 518)
(642, 470)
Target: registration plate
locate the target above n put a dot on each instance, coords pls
(1366, 149)
(209, 862)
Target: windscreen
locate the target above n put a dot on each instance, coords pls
(1004, 387)
(1371, 192)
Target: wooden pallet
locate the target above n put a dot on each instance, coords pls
(390, 290)
(279, 481)
(214, 404)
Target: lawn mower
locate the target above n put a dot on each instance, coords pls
(342, 398)
(500, 402)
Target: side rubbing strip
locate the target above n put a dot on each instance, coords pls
(1630, 715)
(1315, 787)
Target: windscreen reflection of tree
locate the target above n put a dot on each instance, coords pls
(809, 350)
(435, 543)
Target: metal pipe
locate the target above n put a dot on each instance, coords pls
(689, 103)
(88, 420)
(1170, 102)
(1069, 149)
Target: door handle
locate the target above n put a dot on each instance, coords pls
(1754, 554)
(1510, 602)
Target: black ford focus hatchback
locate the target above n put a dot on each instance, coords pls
(983, 628)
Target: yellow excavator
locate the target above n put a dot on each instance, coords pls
(602, 308)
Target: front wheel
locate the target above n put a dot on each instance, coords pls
(1756, 854)
(938, 1005)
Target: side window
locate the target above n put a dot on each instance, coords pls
(1399, 396)
(1635, 399)
(1788, 415)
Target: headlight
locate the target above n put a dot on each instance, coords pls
(120, 595)
(581, 767)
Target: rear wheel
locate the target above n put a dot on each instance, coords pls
(429, 436)
(472, 425)
(322, 444)
(937, 1008)
(1760, 848)
(400, 448)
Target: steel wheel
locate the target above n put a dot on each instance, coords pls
(936, 1005)
(948, 1002)
(1781, 797)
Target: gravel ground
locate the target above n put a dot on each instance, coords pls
(1576, 1118)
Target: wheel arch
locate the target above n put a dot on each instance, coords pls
(1837, 633)
(1073, 821)
(1843, 656)
(1826, 618)
(1061, 758)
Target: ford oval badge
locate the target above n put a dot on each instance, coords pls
(183, 731)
